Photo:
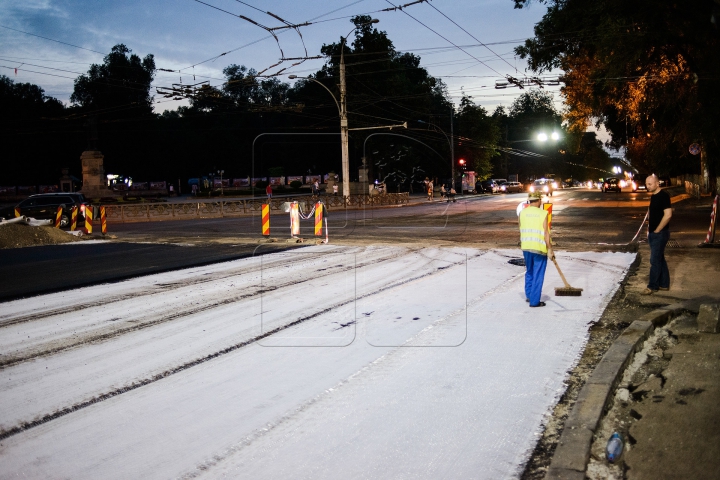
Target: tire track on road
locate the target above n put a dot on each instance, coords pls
(116, 331)
(24, 426)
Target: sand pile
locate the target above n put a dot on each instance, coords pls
(18, 235)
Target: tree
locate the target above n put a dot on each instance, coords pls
(531, 113)
(20, 101)
(119, 88)
(31, 136)
(479, 135)
(645, 69)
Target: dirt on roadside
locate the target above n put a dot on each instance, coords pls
(18, 235)
(618, 315)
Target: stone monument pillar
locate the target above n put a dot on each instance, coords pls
(94, 180)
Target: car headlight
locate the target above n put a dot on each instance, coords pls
(623, 184)
(532, 188)
(545, 189)
(554, 185)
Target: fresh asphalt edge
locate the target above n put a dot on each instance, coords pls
(572, 454)
(150, 271)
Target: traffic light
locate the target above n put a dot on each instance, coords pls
(462, 163)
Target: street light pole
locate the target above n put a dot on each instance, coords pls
(452, 150)
(344, 136)
(342, 110)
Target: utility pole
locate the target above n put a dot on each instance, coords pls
(344, 126)
(452, 148)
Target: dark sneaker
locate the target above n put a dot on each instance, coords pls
(541, 304)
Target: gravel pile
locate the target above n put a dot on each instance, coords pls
(19, 235)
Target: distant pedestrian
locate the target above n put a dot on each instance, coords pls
(194, 190)
(659, 215)
(335, 189)
(535, 245)
(268, 190)
(172, 190)
(430, 190)
(315, 188)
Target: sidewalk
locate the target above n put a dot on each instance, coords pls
(659, 382)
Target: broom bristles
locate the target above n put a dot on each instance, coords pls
(568, 292)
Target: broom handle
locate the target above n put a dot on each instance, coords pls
(567, 285)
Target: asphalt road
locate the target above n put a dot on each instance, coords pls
(36, 270)
(583, 220)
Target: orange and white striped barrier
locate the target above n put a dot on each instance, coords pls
(103, 221)
(88, 220)
(548, 207)
(265, 219)
(58, 217)
(710, 237)
(318, 219)
(17, 212)
(73, 219)
(294, 219)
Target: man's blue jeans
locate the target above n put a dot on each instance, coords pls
(535, 265)
(659, 273)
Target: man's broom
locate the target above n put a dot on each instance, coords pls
(567, 290)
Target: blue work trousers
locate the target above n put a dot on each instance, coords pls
(659, 273)
(535, 265)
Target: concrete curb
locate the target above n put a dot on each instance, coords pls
(572, 453)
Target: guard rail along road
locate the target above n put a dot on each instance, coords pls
(229, 208)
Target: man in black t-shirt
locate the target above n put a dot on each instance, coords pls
(659, 215)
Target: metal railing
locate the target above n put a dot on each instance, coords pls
(148, 212)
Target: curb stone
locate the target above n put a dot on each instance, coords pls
(571, 456)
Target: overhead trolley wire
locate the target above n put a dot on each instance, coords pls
(53, 40)
(471, 35)
(447, 40)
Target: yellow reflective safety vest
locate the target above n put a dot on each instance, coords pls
(532, 234)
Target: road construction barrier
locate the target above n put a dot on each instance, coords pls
(17, 212)
(548, 208)
(296, 214)
(88, 220)
(318, 219)
(58, 217)
(710, 237)
(73, 218)
(266, 219)
(103, 221)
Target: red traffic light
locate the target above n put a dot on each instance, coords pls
(461, 161)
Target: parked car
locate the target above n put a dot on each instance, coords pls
(511, 187)
(487, 186)
(44, 207)
(545, 185)
(611, 184)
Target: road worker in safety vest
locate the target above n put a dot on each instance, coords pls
(536, 246)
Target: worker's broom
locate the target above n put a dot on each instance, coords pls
(567, 290)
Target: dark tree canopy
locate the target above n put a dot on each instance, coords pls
(647, 69)
(26, 101)
(120, 87)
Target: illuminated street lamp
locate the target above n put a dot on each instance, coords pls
(543, 137)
